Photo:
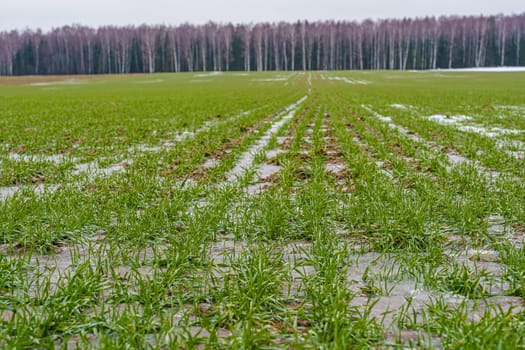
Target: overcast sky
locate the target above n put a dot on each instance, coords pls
(45, 14)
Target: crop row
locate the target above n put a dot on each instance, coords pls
(265, 218)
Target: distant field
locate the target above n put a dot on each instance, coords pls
(263, 210)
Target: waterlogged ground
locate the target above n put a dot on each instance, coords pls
(263, 210)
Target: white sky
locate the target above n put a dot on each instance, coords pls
(45, 14)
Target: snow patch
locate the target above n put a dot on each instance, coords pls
(335, 168)
(377, 115)
(274, 153)
(457, 120)
(270, 79)
(267, 170)
(210, 163)
(349, 80)
(398, 106)
(60, 82)
(445, 119)
(206, 75)
(504, 131)
(153, 81)
(483, 69)
(8, 192)
(55, 158)
(247, 158)
(453, 158)
(94, 170)
(511, 108)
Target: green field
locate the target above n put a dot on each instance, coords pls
(263, 210)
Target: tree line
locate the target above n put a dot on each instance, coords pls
(421, 43)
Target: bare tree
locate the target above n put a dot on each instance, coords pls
(382, 44)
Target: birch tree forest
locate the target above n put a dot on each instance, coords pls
(423, 43)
